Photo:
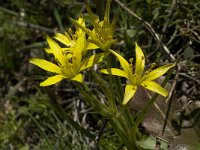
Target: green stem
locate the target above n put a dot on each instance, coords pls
(111, 81)
(149, 105)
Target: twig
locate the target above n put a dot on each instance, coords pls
(34, 26)
(148, 27)
(169, 99)
(8, 11)
(189, 77)
(167, 20)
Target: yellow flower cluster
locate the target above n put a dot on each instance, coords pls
(70, 60)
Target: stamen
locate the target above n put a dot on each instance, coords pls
(147, 72)
(97, 21)
(151, 67)
(71, 34)
(131, 61)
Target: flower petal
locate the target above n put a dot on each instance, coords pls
(52, 80)
(155, 87)
(140, 60)
(129, 93)
(81, 21)
(56, 50)
(107, 14)
(64, 39)
(78, 78)
(91, 46)
(46, 65)
(158, 72)
(75, 22)
(90, 61)
(48, 50)
(115, 71)
(77, 50)
(125, 65)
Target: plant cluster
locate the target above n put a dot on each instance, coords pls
(73, 54)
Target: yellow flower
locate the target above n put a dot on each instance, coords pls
(68, 39)
(67, 67)
(138, 77)
(102, 32)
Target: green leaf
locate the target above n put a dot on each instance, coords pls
(102, 84)
(155, 87)
(41, 131)
(129, 92)
(140, 60)
(150, 143)
(46, 65)
(52, 80)
(158, 72)
(115, 71)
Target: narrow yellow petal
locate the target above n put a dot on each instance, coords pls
(75, 22)
(125, 65)
(155, 87)
(129, 93)
(107, 15)
(78, 78)
(46, 65)
(81, 21)
(48, 50)
(56, 50)
(91, 46)
(92, 16)
(90, 61)
(115, 71)
(63, 39)
(158, 72)
(52, 80)
(140, 60)
(78, 49)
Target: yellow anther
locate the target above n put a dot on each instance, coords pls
(131, 60)
(97, 21)
(153, 65)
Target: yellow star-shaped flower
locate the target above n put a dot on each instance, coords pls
(138, 77)
(67, 67)
(102, 32)
(68, 39)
